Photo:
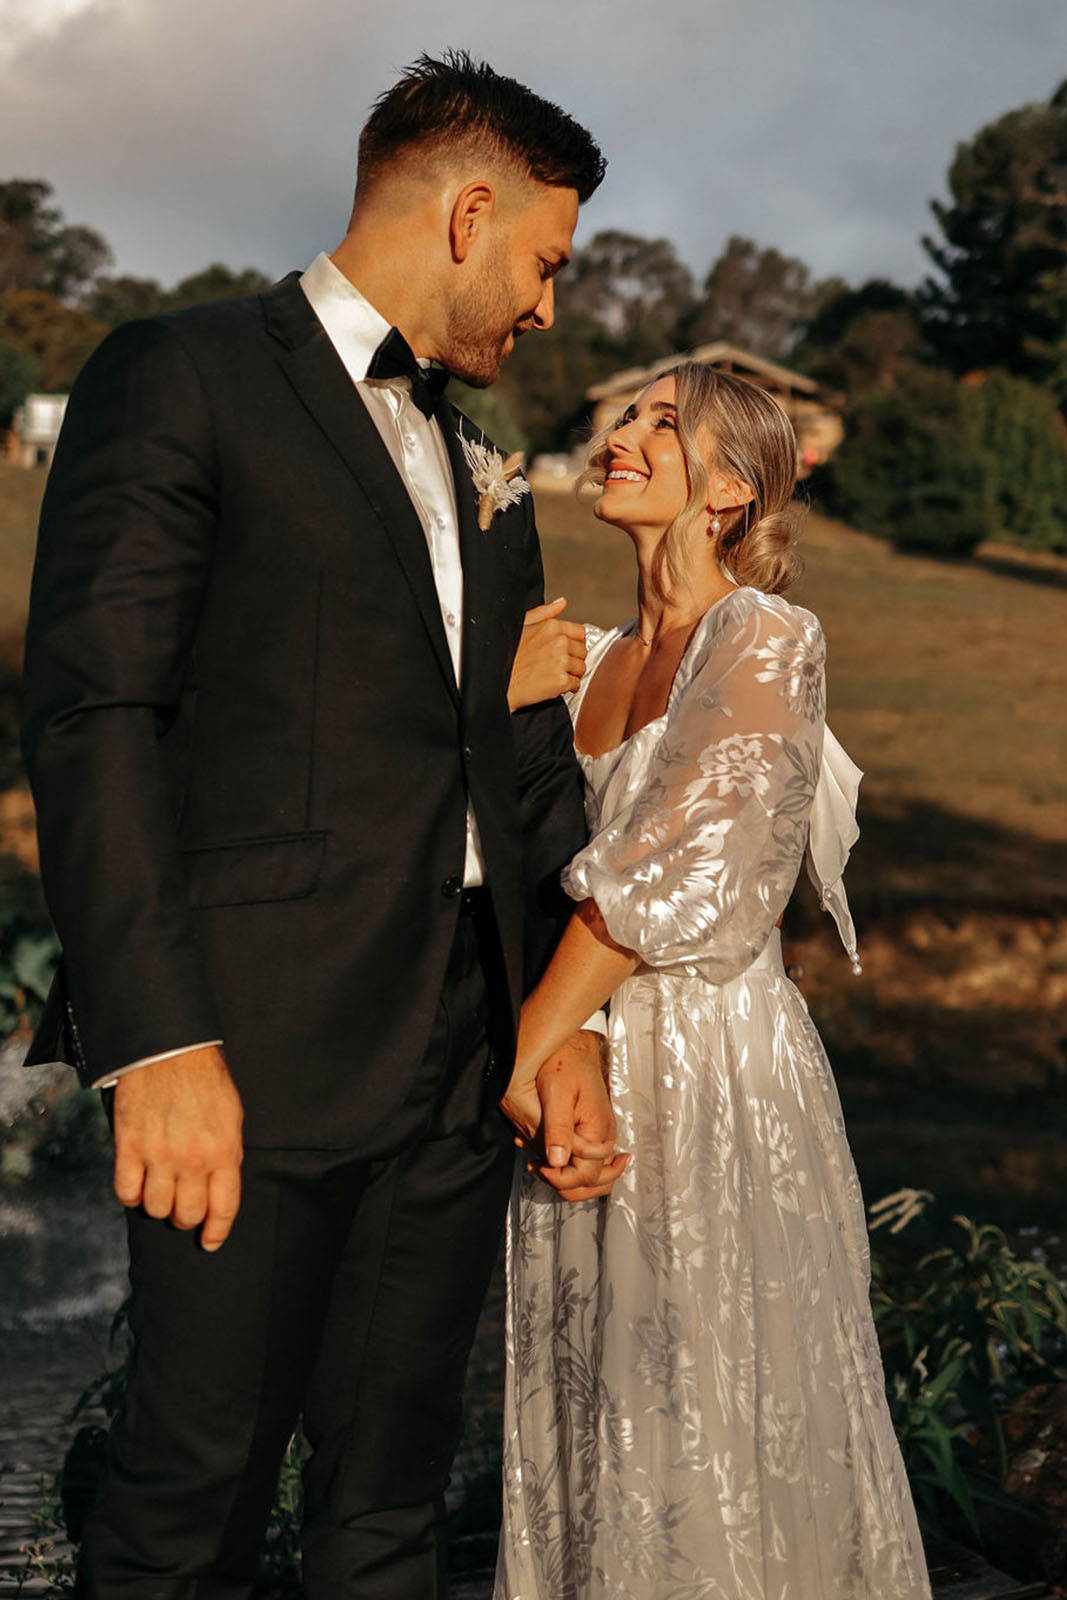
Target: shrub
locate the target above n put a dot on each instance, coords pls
(913, 468)
(965, 1327)
(29, 949)
(1024, 435)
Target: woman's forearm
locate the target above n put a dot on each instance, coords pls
(586, 968)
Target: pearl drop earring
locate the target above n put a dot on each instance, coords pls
(716, 525)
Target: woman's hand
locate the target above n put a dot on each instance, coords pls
(521, 1105)
(550, 659)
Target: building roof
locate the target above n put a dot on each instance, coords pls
(714, 355)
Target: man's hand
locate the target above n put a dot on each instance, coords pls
(550, 658)
(577, 1121)
(178, 1142)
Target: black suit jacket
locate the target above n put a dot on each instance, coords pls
(248, 752)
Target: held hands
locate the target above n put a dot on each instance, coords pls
(178, 1142)
(550, 659)
(567, 1103)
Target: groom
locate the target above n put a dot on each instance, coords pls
(302, 862)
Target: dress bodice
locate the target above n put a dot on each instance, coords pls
(701, 819)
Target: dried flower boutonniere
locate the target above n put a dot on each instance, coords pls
(496, 478)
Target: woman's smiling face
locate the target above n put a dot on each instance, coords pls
(646, 483)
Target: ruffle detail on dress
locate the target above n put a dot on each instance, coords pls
(832, 833)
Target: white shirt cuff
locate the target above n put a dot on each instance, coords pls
(598, 1023)
(112, 1078)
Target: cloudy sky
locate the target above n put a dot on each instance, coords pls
(189, 131)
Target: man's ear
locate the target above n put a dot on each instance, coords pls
(471, 210)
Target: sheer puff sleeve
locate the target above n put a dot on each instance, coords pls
(700, 863)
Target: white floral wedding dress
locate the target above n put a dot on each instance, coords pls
(695, 1406)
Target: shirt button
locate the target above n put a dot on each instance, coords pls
(410, 440)
(450, 618)
(441, 521)
(452, 887)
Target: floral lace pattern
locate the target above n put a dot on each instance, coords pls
(695, 1406)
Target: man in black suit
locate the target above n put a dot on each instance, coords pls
(302, 861)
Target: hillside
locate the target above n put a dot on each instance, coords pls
(947, 683)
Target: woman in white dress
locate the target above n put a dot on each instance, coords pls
(694, 1406)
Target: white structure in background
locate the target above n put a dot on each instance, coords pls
(36, 429)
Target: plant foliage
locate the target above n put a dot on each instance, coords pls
(965, 1326)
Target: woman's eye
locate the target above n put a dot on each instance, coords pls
(666, 422)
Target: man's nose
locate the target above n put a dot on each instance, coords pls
(545, 315)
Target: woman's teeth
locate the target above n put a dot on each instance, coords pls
(618, 476)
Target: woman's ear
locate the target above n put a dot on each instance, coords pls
(729, 494)
(471, 210)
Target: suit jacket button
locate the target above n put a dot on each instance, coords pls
(452, 887)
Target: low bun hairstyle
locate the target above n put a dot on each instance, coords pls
(753, 441)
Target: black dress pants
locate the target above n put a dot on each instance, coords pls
(348, 1291)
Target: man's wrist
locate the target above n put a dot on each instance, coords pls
(109, 1079)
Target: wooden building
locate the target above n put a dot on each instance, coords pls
(813, 414)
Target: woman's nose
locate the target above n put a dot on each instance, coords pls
(619, 438)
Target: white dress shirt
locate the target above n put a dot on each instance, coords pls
(418, 450)
(415, 443)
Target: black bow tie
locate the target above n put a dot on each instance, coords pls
(394, 359)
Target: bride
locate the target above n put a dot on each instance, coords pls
(695, 1406)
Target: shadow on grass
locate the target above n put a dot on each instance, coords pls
(1049, 577)
(950, 1053)
(914, 853)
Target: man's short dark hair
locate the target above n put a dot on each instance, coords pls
(459, 101)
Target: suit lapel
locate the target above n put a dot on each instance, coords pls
(474, 554)
(318, 376)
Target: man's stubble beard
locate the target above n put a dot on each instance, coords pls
(479, 322)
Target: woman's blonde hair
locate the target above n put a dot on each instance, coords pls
(753, 440)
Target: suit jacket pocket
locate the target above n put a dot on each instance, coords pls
(243, 872)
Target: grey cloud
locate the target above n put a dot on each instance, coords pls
(225, 129)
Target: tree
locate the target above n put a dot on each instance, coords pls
(215, 283)
(490, 410)
(59, 338)
(633, 291)
(756, 298)
(115, 300)
(862, 339)
(1001, 293)
(20, 374)
(38, 250)
(544, 382)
